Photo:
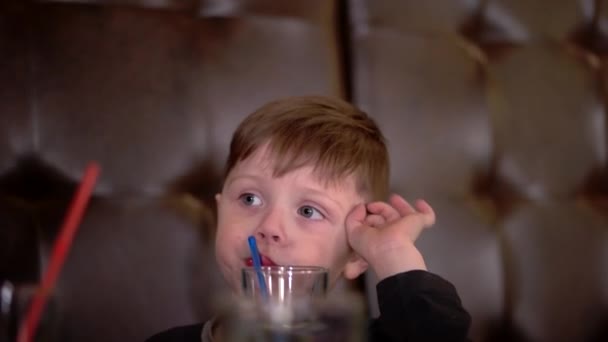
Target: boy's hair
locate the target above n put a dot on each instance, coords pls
(327, 133)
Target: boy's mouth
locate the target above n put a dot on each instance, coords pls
(265, 261)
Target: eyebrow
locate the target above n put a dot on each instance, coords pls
(314, 191)
(321, 194)
(245, 176)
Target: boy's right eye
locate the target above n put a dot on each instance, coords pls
(250, 199)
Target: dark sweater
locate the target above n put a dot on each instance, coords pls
(414, 306)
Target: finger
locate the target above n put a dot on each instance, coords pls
(374, 220)
(414, 224)
(427, 210)
(383, 209)
(401, 205)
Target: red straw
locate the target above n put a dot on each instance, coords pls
(27, 329)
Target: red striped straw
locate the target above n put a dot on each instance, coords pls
(61, 247)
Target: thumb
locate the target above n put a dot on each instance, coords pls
(356, 227)
(356, 217)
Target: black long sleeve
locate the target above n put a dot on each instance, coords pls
(419, 306)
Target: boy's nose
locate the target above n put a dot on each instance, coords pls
(273, 237)
(270, 230)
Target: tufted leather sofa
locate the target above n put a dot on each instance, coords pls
(495, 112)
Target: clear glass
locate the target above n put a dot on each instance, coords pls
(285, 283)
(296, 308)
(14, 303)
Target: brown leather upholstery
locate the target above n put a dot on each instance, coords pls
(494, 112)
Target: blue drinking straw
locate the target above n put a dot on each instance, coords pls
(257, 264)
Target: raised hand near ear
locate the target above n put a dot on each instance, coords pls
(384, 234)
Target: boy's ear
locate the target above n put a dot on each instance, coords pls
(355, 266)
(218, 196)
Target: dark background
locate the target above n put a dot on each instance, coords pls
(495, 112)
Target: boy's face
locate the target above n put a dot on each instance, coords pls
(297, 220)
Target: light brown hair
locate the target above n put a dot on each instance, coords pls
(332, 135)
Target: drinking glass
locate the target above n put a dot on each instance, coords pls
(285, 284)
(14, 302)
(293, 306)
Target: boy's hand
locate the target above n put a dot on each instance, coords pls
(384, 234)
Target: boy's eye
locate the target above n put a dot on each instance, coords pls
(310, 212)
(250, 200)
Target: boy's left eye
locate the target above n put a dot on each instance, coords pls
(310, 212)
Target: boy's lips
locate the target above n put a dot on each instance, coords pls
(265, 261)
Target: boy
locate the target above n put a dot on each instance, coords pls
(307, 176)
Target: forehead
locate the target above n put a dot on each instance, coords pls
(263, 163)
